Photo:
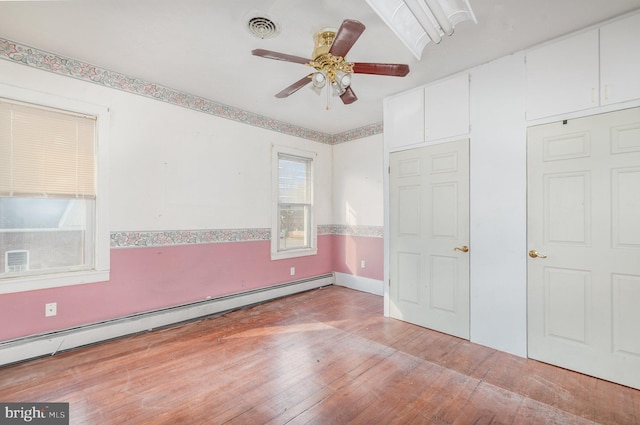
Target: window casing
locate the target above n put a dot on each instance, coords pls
(293, 231)
(53, 190)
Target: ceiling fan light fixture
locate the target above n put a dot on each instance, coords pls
(338, 89)
(343, 78)
(318, 79)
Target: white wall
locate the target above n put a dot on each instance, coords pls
(199, 171)
(358, 200)
(357, 182)
(498, 212)
(177, 169)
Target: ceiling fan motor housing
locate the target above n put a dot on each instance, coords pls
(332, 67)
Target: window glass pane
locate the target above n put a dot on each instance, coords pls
(44, 235)
(294, 227)
(293, 180)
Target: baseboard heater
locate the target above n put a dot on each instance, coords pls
(20, 349)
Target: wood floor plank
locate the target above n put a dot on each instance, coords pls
(326, 356)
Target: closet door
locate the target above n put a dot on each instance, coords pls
(429, 237)
(584, 245)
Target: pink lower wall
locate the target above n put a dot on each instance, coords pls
(146, 279)
(349, 251)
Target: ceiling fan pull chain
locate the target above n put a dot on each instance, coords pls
(328, 97)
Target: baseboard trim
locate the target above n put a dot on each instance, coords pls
(359, 283)
(30, 347)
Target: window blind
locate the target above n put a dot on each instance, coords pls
(46, 152)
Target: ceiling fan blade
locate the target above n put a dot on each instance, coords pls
(346, 36)
(348, 96)
(269, 54)
(392, 69)
(294, 87)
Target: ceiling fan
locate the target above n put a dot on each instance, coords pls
(330, 64)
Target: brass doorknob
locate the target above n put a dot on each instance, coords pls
(535, 254)
(462, 248)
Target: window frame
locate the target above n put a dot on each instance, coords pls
(101, 249)
(312, 248)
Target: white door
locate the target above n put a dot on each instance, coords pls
(584, 242)
(429, 237)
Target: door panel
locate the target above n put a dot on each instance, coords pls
(567, 208)
(583, 208)
(429, 218)
(409, 273)
(626, 208)
(626, 293)
(567, 303)
(444, 210)
(625, 138)
(409, 210)
(443, 283)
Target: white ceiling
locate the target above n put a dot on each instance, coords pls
(202, 47)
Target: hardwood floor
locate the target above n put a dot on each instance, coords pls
(322, 357)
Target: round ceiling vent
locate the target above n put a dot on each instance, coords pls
(263, 27)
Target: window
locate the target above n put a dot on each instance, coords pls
(53, 229)
(293, 231)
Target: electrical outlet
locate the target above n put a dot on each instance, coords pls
(50, 309)
(362, 264)
(293, 271)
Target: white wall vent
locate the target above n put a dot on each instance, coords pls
(16, 261)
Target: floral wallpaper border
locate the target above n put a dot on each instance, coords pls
(51, 62)
(188, 237)
(357, 133)
(352, 230)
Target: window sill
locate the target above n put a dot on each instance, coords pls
(33, 283)
(282, 255)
